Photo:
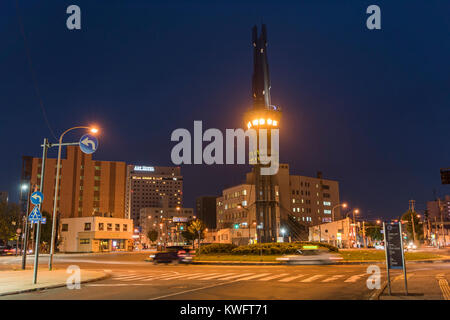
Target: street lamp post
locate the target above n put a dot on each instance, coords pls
(343, 205)
(55, 200)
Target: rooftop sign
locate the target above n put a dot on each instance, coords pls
(143, 168)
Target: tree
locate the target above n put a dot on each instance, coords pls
(152, 235)
(373, 231)
(418, 227)
(196, 229)
(188, 236)
(9, 221)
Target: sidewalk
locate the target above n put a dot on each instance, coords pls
(13, 282)
(419, 288)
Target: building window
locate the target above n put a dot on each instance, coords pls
(125, 227)
(109, 226)
(327, 211)
(65, 227)
(85, 241)
(326, 195)
(327, 203)
(87, 226)
(117, 227)
(101, 226)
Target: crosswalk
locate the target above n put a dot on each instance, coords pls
(233, 276)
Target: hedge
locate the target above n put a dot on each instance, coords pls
(263, 248)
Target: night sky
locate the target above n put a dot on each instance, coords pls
(368, 108)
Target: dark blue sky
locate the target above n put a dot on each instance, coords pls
(368, 108)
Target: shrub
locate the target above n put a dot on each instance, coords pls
(217, 248)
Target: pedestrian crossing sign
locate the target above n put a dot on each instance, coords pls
(35, 215)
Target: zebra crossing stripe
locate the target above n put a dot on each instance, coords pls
(274, 277)
(354, 278)
(310, 279)
(216, 276)
(236, 276)
(332, 278)
(127, 277)
(255, 276)
(175, 277)
(291, 278)
(202, 275)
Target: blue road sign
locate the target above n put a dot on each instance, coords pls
(35, 215)
(37, 197)
(44, 220)
(88, 143)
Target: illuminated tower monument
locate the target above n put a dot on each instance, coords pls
(263, 115)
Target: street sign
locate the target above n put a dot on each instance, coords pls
(37, 197)
(88, 143)
(44, 220)
(394, 246)
(35, 215)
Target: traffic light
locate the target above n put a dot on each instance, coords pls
(181, 227)
(236, 226)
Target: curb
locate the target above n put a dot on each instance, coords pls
(60, 285)
(376, 295)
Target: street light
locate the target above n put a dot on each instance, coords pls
(343, 205)
(55, 200)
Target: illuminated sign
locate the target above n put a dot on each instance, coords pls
(143, 168)
(180, 219)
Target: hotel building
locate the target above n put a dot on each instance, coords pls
(152, 187)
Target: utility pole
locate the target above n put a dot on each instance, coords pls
(411, 208)
(442, 222)
(364, 234)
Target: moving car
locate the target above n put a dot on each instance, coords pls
(175, 255)
(7, 250)
(311, 255)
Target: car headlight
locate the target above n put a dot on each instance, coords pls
(152, 256)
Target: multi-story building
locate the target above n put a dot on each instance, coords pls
(87, 187)
(168, 222)
(307, 200)
(438, 208)
(147, 187)
(206, 210)
(4, 196)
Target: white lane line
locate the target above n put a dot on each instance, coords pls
(126, 277)
(154, 277)
(220, 275)
(291, 278)
(332, 278)
(274, 277)
(310, 279)
(255, 276)
(203, 275)
(236, 276)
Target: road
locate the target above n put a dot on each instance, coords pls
(133, 278)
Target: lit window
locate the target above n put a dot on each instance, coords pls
(249, 125)
(275, 122)
(327, 203)
(255, 122)
(327, 211)
(269, 121)
(262, 121)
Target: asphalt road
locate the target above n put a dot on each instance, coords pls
(133, 278)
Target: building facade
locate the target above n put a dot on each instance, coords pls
(4, 196)
(168, 222)
(152, 187)
(96, 234)
(87, 187)
(439, 208)
(307, 200)
(206, 210)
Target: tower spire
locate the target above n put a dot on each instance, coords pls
(261, 78)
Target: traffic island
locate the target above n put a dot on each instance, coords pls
(15, 282)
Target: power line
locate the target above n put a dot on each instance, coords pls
(33, 75)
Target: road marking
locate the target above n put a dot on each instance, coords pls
(237, 276)
(220, 275)
(255, 276)
(355, 278)
(443, 285)
(310, 279)
(274, 277)
(176, 277)
(291, 278)
(203, 275)
(191, 290)
(332, 278)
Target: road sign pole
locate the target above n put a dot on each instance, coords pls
(38, 229)
(403, 258)
(387, 257)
